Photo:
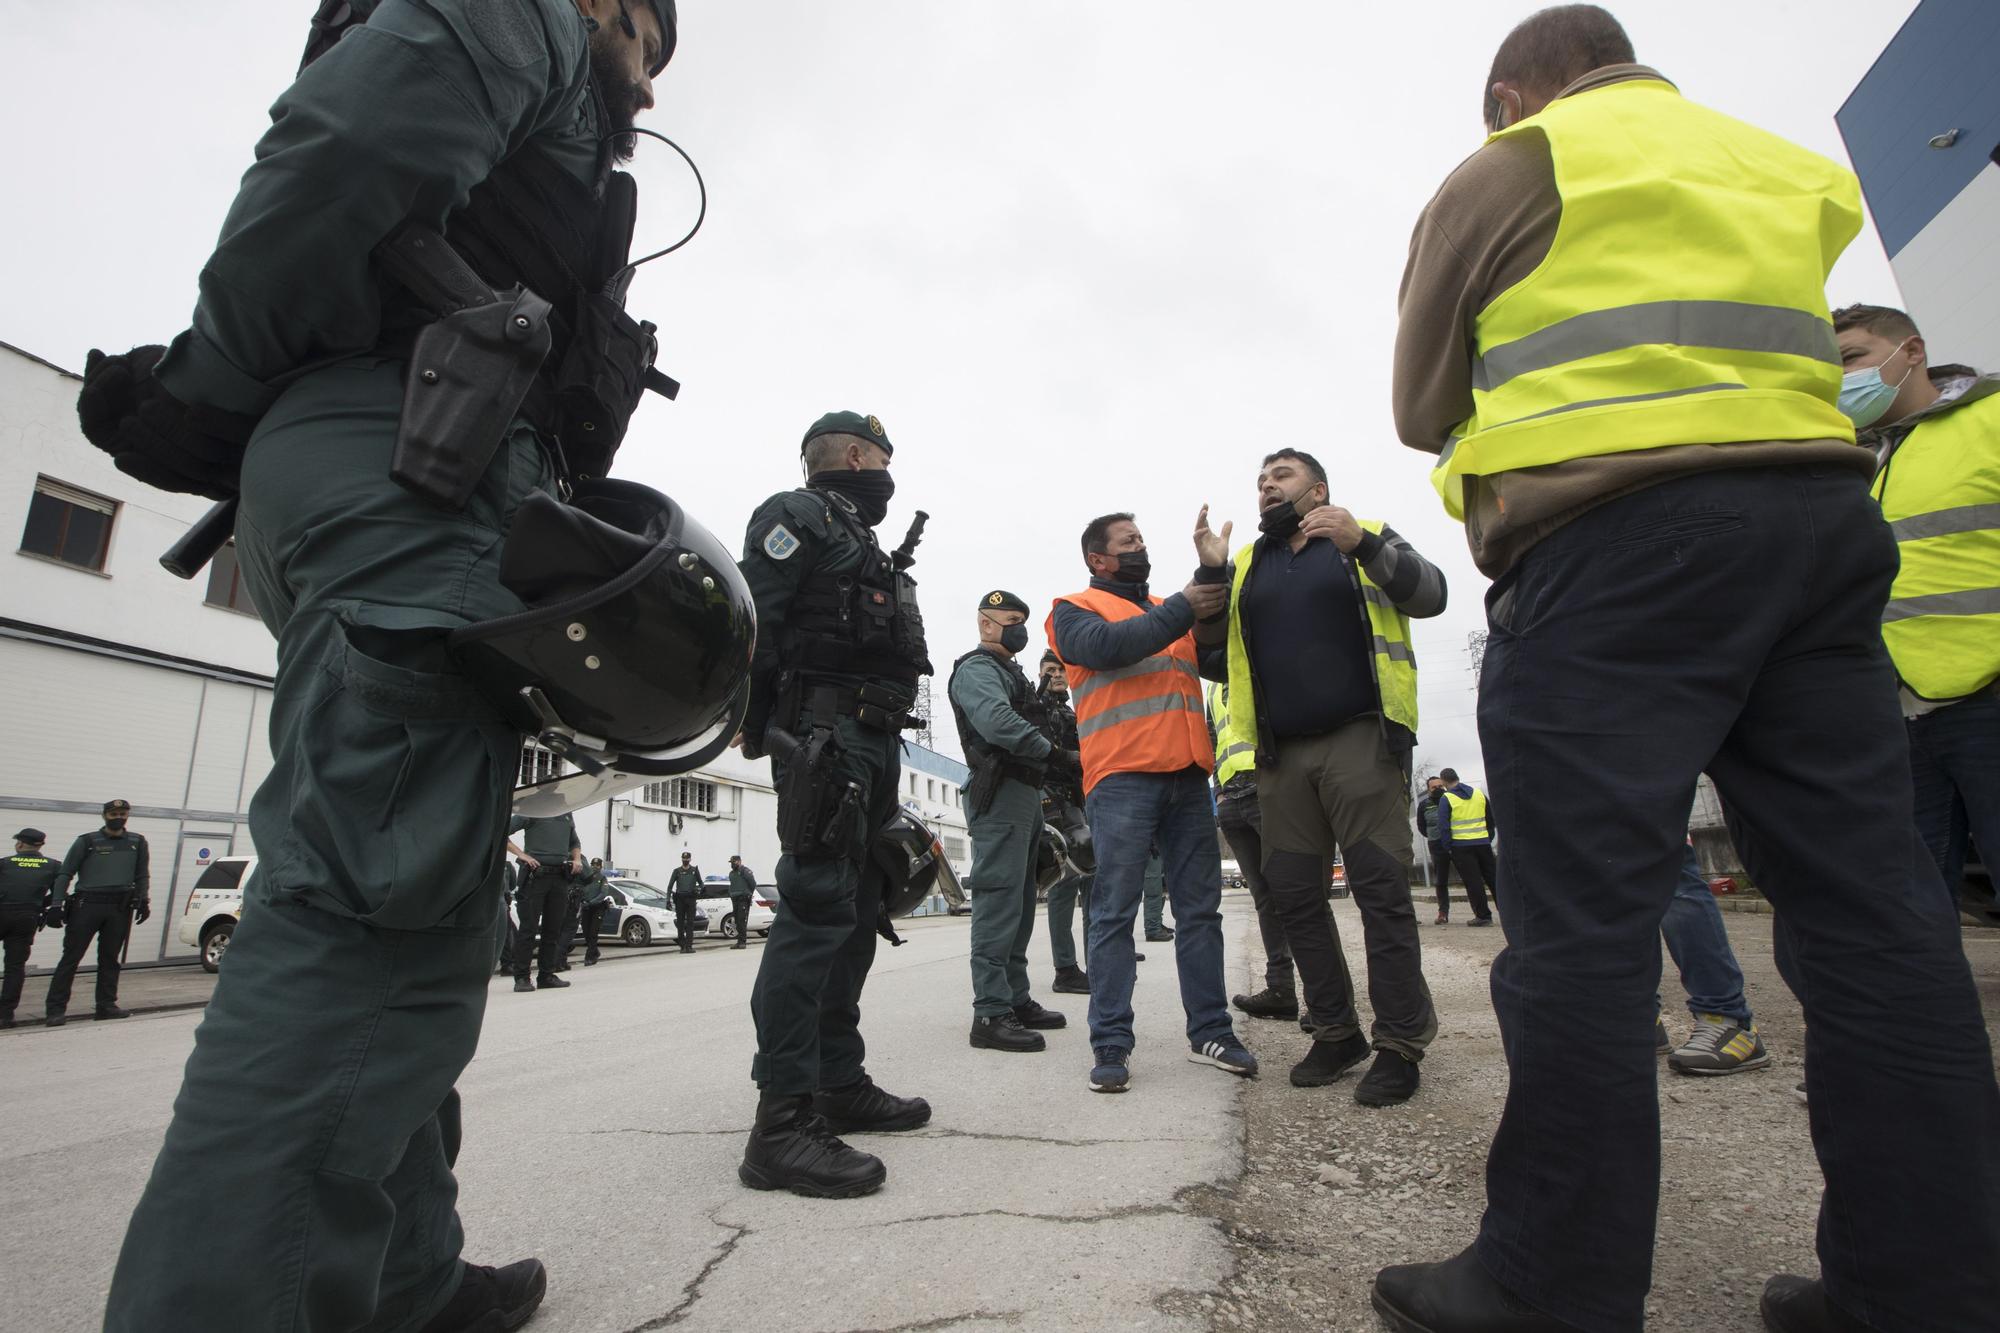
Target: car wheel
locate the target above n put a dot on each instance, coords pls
(729, 926)
(636, 933)
(214, 942)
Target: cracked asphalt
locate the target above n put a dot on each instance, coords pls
(603, 1125)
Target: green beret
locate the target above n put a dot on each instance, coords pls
(849, 423)
(1001, 600)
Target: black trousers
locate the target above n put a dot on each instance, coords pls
(1441, 872)
(1475, 864)
(593, 921)
(572, 920)
(108, 920)
(740, 908)
(542, 901)
(1727, 622)
(1242, 825)
(17, 937)
(684, 922)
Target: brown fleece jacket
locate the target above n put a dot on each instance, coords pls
(1489, 226)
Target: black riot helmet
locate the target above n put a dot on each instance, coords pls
(915, 863)
(1051, 859)
(634, 652)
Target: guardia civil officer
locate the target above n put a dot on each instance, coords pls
(596, 898)
(742, 888)
(108, 871)
(1005, 737)
(369, 930)
(686, 889)
(550, 856)
(1063, 795)
(27, 882)
(834, 676)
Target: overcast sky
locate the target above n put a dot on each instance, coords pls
(1078, 257)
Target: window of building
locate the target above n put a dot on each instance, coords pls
(225, 583)
(69, 525)
(690, 794)
(954, 847)
(913, 784)
(539, 765)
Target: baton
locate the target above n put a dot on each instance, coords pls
(198, 545)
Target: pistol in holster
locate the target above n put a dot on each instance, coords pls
(819, 812)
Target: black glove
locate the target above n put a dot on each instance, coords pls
(54, 916)
(152, 435)
(1066, 764)
(143, 911)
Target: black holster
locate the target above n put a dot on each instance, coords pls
(608, 365)
(819, 813)
(985, 784)
(469, 371)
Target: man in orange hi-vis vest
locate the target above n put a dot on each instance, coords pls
(1143, 734)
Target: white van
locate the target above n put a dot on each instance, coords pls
(214, 908)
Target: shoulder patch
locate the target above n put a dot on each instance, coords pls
(779, 543)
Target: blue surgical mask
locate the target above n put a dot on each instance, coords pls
(1863, 395)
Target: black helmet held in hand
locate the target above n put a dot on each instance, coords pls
(634, 652)
(915, 863)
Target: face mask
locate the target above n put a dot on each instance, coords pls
(1133, 567)
(1013, 637)
(870, 489)
(1282, 520)
(114, 821)
(1863, 395)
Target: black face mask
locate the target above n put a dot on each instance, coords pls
(1013, 637)
(1133, 567)
(869, 489)
(1280, 521)
(114, 822)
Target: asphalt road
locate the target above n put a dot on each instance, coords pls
(1028, 1202)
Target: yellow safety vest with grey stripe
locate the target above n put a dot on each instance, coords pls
(1233, 754)
(1940, 491)
(1394, 660)
(1683, 300)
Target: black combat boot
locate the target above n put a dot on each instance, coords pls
(791, 1148)
(1268, 1003)
(863, 1108)
(1071, 981)
(522, 983)
(112, 1011)
(57, 1018)
(1005, 1033)
(550, 981)
(492, 1300)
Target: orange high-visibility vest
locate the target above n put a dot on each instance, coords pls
(1143, 718)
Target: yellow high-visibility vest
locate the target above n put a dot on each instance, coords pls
(1233, 754)
(1940, 491)
(1683, 300)
(1394, 661)
(1468, 816)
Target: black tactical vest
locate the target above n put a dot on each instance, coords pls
(861, 621)
(1020, 695)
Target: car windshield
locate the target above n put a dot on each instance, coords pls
(644, 894)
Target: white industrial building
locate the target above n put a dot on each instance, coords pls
(124, 681)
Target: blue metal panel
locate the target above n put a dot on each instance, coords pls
(1940, 72)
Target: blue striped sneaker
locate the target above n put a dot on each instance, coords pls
(1227, 1053)
(1109, 1073)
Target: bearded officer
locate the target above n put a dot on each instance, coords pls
(835, 674)
(1004, 734)
(329, 1180)
(109, 869)
(27, 881)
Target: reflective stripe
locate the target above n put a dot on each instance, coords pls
(1717, 387)
(1147, 667)
(1394, 651)
(1158, 703)
(1736, 325)
(1944, 522)
(1241, 747)
(1971, 602)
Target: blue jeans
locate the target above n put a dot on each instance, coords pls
(1955, 766)
(1128, 813)
(1789, 703)
(1700, 946)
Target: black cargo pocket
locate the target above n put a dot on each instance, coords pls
(399, 804)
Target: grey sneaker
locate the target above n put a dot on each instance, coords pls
(1719, 1045)
(1228, 1054)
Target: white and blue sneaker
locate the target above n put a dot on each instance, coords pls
(1227, 1053)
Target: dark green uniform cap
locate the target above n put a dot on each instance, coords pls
(1001, 600)
(849, 423)
(33, 835)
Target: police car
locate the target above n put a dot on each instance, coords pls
(214, 907)
(721, 912)
(640, 914)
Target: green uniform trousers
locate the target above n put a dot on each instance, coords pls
(316, 1127)
(1004, 842)
(1063, 901)
(807, 1000)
